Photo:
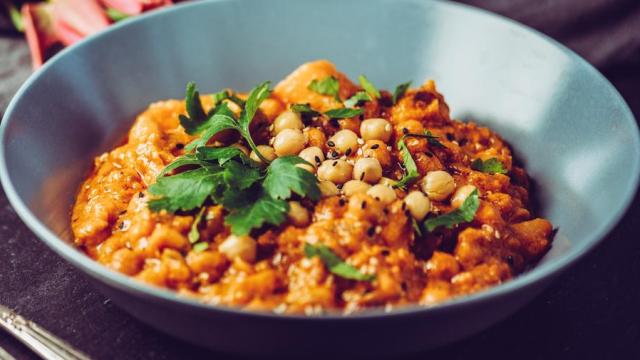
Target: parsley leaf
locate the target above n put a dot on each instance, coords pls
(193, 123)
(357, 99)
(185, 191)
(342, 113)
(368, 86)
(284, 177)
(200, 247)
(327, 86)
(239, 176)
(411, 169)
(490, 166)
(304, 109)
(264, 210)
(400, 91)
(222, 154)
(334, 263)
(432, 140)
(185, 160)
(219, 121)
(464, 213)
(194, 234)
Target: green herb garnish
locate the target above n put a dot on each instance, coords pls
(15, 16)
(490, 166)
(463, 214)
(368, 86)
(304, 109)
(400, 91)
(334, 263)
(194, 234)
(410, 168)
(357, 99)
(432, 140)
(200, 247)
(252, 195)
(327, 86)
(343, 113)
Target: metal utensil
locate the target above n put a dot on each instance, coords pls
(42, 342)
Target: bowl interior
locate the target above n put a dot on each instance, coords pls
(568, 125)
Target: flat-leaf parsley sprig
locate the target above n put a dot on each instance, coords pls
(253, 195)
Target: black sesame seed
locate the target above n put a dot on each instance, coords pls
(334, 123)
(375, 146)
(405, 131)
(123, 212)
(318, 161)
(385, 252)
(371, 231)
(179, 146)
(341, 202)
(331, 143)
(141, 194)
(450, 137)
(385, 211)
(334, 154)
(339, 186)
(463, 142)
(348, 152)
(121, 226)
(335, 163)
(364, 205)
(362, 176)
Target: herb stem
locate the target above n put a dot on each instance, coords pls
(253, 147)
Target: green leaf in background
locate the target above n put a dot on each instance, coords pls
(357, 99)
(400, 91)
(304, 109)
(194, 233)
(343, 113)
(116, 15)
(334, 263)
(463, 214)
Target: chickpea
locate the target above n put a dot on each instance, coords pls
(409, 126)
(243, 247)
(287, 120)
(387, 181)
(336, 171)
(316, 137)
(376, 129)
(288, 142)
(307, 167)
(438, 185)
(313, 155)
(344, 141)
(242, 148)
(378, 150)
(266, 151)
(367, 169)
(418, 204)
(352, 187)
(327, 188)
(382, 193)
(461, 194)
(298, 215)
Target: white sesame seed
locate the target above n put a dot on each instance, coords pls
(360, 141)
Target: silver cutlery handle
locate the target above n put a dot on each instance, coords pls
(39, 340)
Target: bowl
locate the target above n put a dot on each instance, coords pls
(570, 127)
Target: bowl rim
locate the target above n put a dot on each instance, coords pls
(133, 287)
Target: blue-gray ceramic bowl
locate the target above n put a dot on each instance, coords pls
(571, 128)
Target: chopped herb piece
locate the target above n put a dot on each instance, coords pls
(185, 160)
(334, 263)
(368, 87)
(416, 227)
(284, 177)
(343, 113)
(304, 109)
(222, 154)
(196, 116)
(116, 15)
(328, 86)
(400, 91)
(490, 166)
(185, 191)
(194, 233)
(220, 96)
(465, 213)
(15, 16)
(411, 170)
(432, 140)
(200, 247)
(264, 209)
(357, 99)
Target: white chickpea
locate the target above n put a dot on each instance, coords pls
(327, 188)
(288, 142)
(307, 167)
(242, 148)
(438, 185)
(418, 204)
(313, 155)
(287, 120)
(266, 151)
(367, 169)
(243, 247)
(382, 193)
(376, 129)
(344, 141)
(298, 215)
(461, 194)
(336, 171)
(352, 187)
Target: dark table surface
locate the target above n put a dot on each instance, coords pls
(590, 312)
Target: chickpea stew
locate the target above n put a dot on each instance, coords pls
(321, 195)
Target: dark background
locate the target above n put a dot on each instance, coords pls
(590, 312)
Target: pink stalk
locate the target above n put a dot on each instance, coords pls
(39, 30)
(75, 19)
(134, 7)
